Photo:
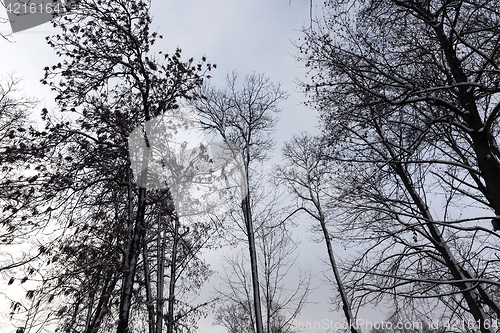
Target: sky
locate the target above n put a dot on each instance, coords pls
(247, 36)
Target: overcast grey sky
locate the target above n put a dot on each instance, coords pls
(240, 35)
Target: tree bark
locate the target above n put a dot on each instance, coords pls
(160, 276)
(253, 262)
(173, 268)
(131, 259)
(346, 307)
(108, 288)
(147, 281)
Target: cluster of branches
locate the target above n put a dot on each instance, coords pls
(15, 158)
(408, 165)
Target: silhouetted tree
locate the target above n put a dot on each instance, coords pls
(245, 117)
(307, 176)
(408, 94)
(112, 239)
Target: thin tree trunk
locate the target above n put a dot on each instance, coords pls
(75, 314)
(346, 307)
(171, 291)
(253, 262)
(160, 276)
(102, 305)
(267, 296)
(132, 252)
(131, 259)
(147, 280)
(90, 309)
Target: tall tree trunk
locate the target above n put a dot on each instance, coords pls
(173, 263)
(253, 262)
(468, 290)
(132, 251)
(131, 259)
(484, 144)
(108, 288)
(147, 281)
(346, 307)
(160, 275)
(131, 256)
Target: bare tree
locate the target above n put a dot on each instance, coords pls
(409, 98)
(306, 174)
(446, 80)
(276, 254)
(245, 117)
